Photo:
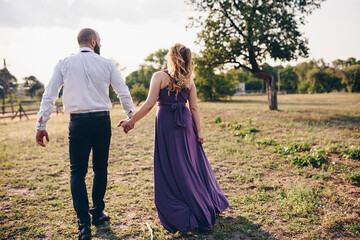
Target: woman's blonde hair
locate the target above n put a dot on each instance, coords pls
(179, 67)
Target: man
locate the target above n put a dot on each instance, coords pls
(86, 78)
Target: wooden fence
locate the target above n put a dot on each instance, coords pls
(24, 109)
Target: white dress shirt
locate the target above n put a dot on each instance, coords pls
(86, 78)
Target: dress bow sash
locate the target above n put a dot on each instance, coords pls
(178, 109)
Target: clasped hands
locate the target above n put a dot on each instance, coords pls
(126, 125)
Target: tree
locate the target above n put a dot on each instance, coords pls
(352, 78)
(142, 76)
(139, 93)
(154, 62)
(302, 71)
(8, 85)
(158, 59)
(211, 86)
(245, 33)
(242, 75)
(341, 64)
(289, 79)
(32, 84)
(322, 81)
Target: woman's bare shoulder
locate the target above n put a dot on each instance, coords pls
(160, 74)
(191, 85)
(161, 77)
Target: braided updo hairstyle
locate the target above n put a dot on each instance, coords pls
(179, 67)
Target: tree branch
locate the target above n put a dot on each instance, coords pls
(233, 23)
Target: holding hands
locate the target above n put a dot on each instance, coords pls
(126, 125)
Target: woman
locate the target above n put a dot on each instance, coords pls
(187, 195)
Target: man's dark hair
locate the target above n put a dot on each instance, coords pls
(85, 35)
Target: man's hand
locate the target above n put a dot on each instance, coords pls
(126, 126)
(40, 134)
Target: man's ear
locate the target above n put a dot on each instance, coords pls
(93, 42)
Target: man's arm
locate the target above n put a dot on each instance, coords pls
(122, 91)
(47, 105)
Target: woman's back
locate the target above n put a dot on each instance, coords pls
(165, 97)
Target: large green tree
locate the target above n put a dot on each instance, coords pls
(247, 32)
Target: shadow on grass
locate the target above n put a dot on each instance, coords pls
(230, 228)
(104, 231)
(307, 104)
(243, 101)
(335, 120)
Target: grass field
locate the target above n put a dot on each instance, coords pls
(288, 174)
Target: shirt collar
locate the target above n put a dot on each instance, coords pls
(86, 49)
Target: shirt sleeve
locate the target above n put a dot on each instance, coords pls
(122, 91)
(50, 95)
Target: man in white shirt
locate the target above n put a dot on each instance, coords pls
(86, 78)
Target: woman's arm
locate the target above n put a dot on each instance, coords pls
(154, 90)
(195, 111)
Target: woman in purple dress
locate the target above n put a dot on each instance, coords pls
(187, 195)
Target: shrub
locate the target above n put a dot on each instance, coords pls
(292, 148)
(333, 148)
(351, 153)
(266, 142)
(217, 119)
(244, 132)
(234, 125)
(312, 158)
(354, 178)
(354, 228)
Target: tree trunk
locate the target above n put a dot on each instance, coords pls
(11, 103)
(278, 74)
(272, 95)
(270, 88)
(3, 106)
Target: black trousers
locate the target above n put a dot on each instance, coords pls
(86, 134)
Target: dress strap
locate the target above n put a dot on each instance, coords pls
(167, 72)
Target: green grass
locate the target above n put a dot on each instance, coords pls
(351, 153)
(288, 174)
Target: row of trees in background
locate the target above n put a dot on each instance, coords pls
(315, 76)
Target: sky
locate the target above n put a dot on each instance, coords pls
(36, 34)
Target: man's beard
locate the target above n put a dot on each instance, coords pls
(97, 49)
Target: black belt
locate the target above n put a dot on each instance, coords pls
(89, 114)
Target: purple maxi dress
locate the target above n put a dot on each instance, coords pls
(187, 195)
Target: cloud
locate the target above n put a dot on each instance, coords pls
(69, 13)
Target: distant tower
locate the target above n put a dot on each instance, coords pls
(4, 63)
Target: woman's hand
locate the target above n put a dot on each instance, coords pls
(200, 138)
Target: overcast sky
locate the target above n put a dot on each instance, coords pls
(35, 34)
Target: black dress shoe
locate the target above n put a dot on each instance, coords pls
(103, 217)
(85, 233)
